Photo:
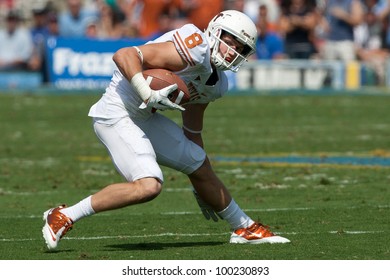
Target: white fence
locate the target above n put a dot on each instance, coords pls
(253, 76)
(306, 74)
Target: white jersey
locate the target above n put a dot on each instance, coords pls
(120, 98)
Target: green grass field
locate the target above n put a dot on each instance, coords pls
(50, 155)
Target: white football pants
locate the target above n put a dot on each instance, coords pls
(137, 147)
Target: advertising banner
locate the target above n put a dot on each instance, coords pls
(291, 74)
(83, 63)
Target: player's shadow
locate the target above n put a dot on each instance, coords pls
(160, 246)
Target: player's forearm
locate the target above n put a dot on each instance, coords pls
(128, 62)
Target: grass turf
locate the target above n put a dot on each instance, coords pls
(49, 155)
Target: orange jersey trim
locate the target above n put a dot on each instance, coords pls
(184, 49)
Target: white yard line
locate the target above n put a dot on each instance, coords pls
(174, 213)
(184, 235)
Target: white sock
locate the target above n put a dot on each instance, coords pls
(235, 216)
(79, 210)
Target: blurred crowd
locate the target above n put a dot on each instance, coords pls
(348, 30)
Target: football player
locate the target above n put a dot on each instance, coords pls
(139, 140)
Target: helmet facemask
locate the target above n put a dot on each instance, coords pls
(220, 61)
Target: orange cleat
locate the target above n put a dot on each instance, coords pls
(56, 226)
(256, 234)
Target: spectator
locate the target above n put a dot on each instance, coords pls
(111, 22)
(237, 5)
(52, 25)
(263, 12)
(6, 6)
(341, 17)
(269, 44)
(73, 21)
(150, 16)
(124, 9)
(200, 13)
(368, 33)
(130, 10)
(166, 23)
(16, 45)
(251, 7)
(44, 26)
(369, 43)
(273, 7)
(297, 23)
(91, 29)
(382, 10)
(39, 33)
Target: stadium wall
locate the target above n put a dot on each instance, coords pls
(80, 64)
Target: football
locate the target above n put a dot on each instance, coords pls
(161, 78)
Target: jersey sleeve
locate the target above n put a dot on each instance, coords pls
(191, 44)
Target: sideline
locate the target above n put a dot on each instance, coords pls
(357, 161)
(313, 160)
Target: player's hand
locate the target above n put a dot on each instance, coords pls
(207, 211)
(159, 100)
